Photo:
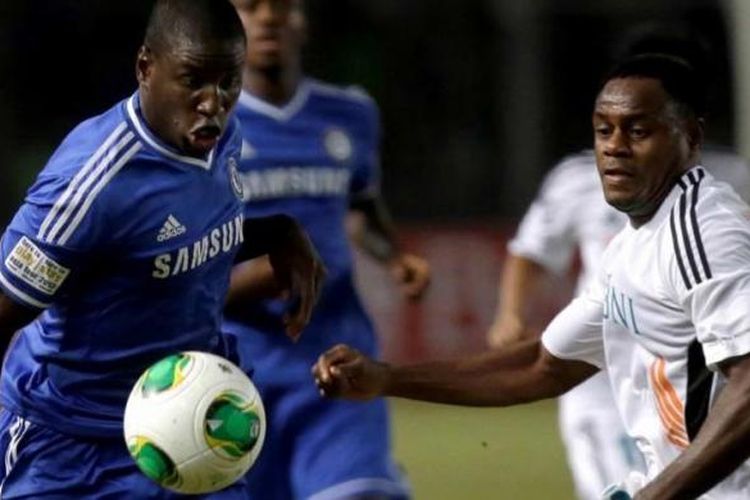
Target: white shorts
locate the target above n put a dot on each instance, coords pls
(598, 449)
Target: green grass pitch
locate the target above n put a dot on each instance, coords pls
(476, 454)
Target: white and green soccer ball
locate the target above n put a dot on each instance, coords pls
(194, 423)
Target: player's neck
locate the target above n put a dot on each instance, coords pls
(275, 87)
(643, 216)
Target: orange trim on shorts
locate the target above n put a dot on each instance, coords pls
(670, 408)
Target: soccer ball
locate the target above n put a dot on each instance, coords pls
(194, 423)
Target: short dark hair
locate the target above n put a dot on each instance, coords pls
(680, 80)
(175, 20)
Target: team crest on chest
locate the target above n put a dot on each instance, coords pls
(338, 144)
(234, 177)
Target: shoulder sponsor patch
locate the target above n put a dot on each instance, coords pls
(32, 266)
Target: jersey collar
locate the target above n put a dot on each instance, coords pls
(687, 179)
(133, 107)
(278, 113)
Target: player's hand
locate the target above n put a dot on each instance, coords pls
(412, 273)
(300, 272)
(344, 372)
(627, 489)
(506, 330)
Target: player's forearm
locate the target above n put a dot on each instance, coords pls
(519, 284)
(721, 446)
(251, 280)
(518, 374)
(263, 235)
(375, 233)
(517, 293)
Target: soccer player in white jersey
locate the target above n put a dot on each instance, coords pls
(311, 150)
(667, 316)
(571, 213)
(109, 265)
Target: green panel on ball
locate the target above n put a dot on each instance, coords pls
(153, 462)
(232, 427)
(166, 374)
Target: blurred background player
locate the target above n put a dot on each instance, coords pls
(569, 214)
(311, 150)
(108, 266)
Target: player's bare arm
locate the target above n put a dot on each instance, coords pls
(519, 284)
(292, 265)
(721, 446)
(521, 373)
(373, 231)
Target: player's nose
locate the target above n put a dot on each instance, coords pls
(210, 101)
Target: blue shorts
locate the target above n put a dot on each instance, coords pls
(316, 448)
(40, 463)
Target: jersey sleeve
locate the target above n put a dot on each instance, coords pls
(365, 181)
(711, 277)
(576, 332)
(546, 234)
(49, 239)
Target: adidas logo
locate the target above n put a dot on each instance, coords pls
(170, 229)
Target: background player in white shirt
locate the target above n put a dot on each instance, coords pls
(672, 302)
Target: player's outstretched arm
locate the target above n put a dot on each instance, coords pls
(721, 446)
(13, 316)
(295, 264)
(373, 231)
(520, 373)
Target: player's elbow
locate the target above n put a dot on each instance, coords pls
(557, 376)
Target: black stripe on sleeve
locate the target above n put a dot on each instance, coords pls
(694, 223)
(686, 238)
(677, 254)
(699, 384)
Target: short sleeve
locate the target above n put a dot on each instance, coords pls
(711, 277)
(365, 181)
(48, 239)
(547, 234)
(576, 332)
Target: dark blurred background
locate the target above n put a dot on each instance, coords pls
(478, 97)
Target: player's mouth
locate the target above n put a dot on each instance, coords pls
(266, 42)
(617, 175)
(205, 137)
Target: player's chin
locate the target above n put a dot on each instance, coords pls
(619, 200)
(200, 147)
(266, 61)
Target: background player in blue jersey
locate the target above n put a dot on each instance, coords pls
(311, 150)
(109, 264)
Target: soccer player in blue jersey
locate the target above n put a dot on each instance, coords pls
(311, 150)
(121, 254)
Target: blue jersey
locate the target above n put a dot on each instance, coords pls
(309, 159)
(127, 268)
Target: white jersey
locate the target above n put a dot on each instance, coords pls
(671, 299)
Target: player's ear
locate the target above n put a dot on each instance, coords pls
(696, 132)
(143, 65)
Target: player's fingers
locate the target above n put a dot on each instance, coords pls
(336, 355)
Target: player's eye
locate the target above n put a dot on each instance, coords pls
(230, 82)
(602, 130)
(638, 133)
(191, 81)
